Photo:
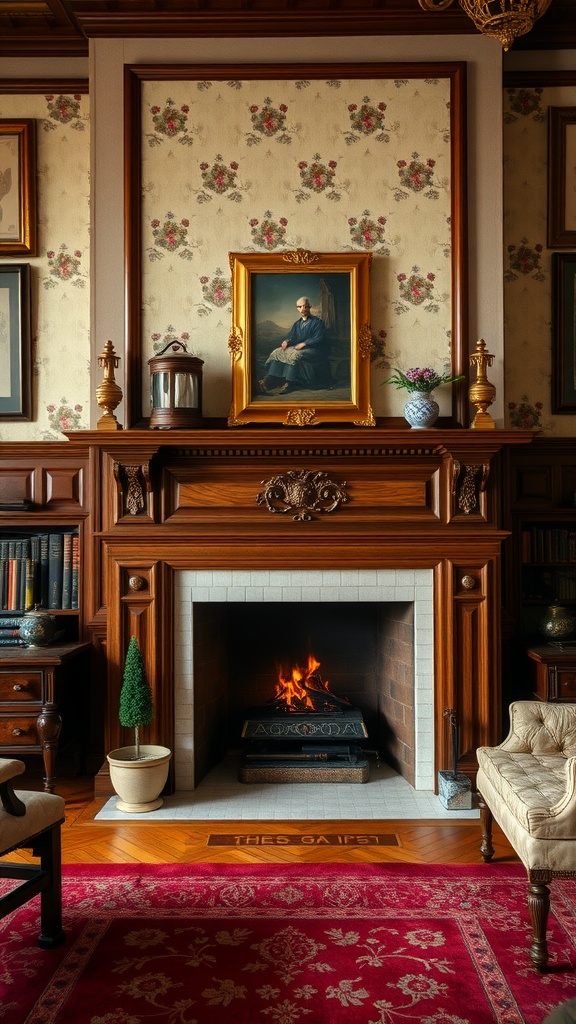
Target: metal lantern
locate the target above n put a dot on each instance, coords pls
(175, 388)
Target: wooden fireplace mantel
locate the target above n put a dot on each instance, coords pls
(311, 498)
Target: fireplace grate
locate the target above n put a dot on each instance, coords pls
(304, 747)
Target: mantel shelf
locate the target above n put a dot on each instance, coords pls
(479, 443)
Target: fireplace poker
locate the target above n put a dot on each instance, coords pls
(454, 726)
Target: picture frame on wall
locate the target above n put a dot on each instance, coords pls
(18, 228)
(239, 200)
(300, 341)
(15, 342)
(562, 178)
(564, 332)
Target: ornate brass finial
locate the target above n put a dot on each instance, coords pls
(482, 393)
(108, 393)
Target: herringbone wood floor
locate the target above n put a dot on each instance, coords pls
(85, 841)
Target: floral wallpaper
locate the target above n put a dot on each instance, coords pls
(265, 166)
(60, 272)
(527, 260)
(253, 166)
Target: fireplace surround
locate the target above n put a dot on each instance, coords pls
(300, 500)
(397, 698)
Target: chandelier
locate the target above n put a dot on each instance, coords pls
(505, 20)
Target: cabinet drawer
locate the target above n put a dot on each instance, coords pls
(20, 687)
(18, 731)
(566, 683)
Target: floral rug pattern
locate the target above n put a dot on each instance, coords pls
(368, 944)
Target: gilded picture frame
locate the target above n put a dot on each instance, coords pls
(15, 342)
(18, 227)
(328, 380)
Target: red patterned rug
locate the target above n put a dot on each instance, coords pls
(317, 944)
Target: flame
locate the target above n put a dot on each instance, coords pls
(294, 685)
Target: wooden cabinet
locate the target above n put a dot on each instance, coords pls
(554, 673)
(33, 682)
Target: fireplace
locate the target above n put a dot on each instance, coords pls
(371, 631)
(410, 521)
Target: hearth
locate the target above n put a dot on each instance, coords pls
(305, 734)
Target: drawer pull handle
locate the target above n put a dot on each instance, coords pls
(18, 687)
(18, 732)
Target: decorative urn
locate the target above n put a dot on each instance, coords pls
(557, 623)
(38, 628)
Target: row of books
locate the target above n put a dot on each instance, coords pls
(553, 585)
(544, 544)
(39, 569)
(10, 633)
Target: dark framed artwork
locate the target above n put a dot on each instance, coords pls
(15, 342)
(564, 332)
(562, 178)
(277, 376)
(17, 188)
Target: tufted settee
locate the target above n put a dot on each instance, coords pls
(528, 784)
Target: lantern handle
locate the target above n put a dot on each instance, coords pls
(173, 345)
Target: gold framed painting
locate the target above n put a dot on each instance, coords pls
(300, 341)
(17, 187)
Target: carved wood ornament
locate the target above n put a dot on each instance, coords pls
(303, 493)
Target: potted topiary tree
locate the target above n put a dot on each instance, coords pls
(139, 772)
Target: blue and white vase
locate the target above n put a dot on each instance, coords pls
(421, 410)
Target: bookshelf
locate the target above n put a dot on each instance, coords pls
(539, 557)
(548, 555)
(45, 691)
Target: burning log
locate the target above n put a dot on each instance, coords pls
(301, 688)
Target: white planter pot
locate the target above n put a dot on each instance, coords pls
(139, 783)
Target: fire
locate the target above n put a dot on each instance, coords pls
(297, 685)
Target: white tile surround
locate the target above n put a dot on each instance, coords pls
(257, 586)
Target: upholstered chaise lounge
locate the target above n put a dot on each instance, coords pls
(528, 783)
(32, 821)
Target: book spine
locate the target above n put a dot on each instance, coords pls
(35, 556)
(44, 570)
(22, 573)
(67, 571)
(12, 641)
(75, 570)
(10, 621)
(3, 575)
(12, 576)
(55, 569)
(4, 632)
(29, 585)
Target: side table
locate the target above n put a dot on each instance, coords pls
(555, 672)
(32, 680)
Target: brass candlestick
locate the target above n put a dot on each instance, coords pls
(482, 393)
(108, 393)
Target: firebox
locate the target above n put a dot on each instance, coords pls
(305, 733)
(371, 630)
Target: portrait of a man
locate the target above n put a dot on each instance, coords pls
(301, 337)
